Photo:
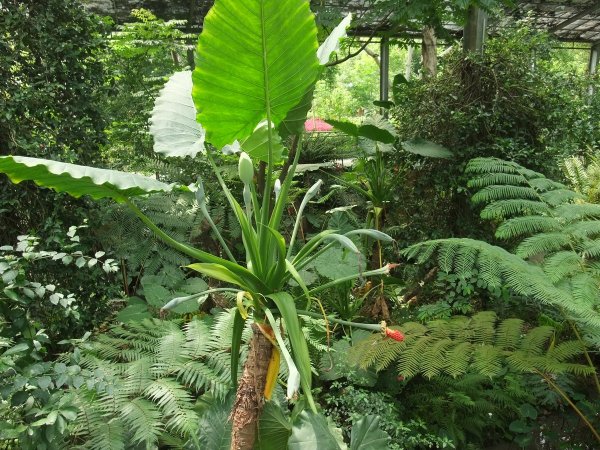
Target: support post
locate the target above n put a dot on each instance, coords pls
(384, 71)
(593, 65)
(409, 61)
(475, 30)
(593, 62)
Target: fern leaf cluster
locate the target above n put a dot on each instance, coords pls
(553, 234)
(478, 345)
(149, 374)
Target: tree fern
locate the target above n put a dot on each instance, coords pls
(477, 345)
(551, 230)
(148, 376)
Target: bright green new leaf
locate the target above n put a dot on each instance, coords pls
(80, 180)
(173, 122)
(236, 342)
(218, 272)
(256, 60)
(426, 148)
(257, 145)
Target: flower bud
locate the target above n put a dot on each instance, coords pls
(396, 335)
(200, 195)
(314, 189)
(245, 168)
(277, 188)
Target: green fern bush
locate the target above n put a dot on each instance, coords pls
(552, 232)
(479, 345)
(148, 375)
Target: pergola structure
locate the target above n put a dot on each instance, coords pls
(567, 20)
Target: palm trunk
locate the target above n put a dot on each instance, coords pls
(249, 398)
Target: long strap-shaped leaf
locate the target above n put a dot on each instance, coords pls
(287, 309)
(256, 60)
(78, 180)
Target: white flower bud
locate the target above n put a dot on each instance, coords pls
(245, 168)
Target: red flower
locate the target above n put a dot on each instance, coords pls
(400, 378)
(394, 334)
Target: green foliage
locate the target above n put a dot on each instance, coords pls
(480, 345)
(146, 376)
(141, 54)
(551, 229)
(512, 102)
(50, 95)
(347, 404)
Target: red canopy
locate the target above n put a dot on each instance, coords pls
(312, 125)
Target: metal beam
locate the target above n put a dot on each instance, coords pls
(575, 18)
(593, 62)
(475, 30)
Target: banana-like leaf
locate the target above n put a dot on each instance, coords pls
(427, 148)
(332, 43)
(368, 131)
(80, 180)
(173, 121)
(287, 308)
(373, 234)
(256, 60)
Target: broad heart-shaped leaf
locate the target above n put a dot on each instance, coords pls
(422, 147)
(274, 428)
(296, 117)
(173, 122)
(80, 180)
(311, 432)
(256, 60)
(369, 131)
(332, 43)
(366, 435)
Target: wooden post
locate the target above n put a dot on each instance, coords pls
(429, 52)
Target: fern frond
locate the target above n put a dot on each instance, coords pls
(504, 192)
(562, 264)
(144, 420)
(503, 209)
(527, 225)
(560, 196)
(543, 243)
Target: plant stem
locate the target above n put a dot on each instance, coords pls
(362, 326)
(570, 402)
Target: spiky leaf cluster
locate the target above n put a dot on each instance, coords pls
(553, 234)
(149, 375)
(477, 345)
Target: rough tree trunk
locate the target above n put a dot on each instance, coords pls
(249, 398)
(429, 52)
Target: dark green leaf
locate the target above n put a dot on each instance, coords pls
(426, 148)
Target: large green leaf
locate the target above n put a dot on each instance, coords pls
(80, 180)
(173, 122)
(366, 435)
(256, 59)
(332, 43)
(257, 144)
(430, 149)
(311, 432)
(274, 428)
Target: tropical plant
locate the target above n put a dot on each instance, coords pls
(584, 179)
(244, 92)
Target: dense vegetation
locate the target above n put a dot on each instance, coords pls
(206, 275)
